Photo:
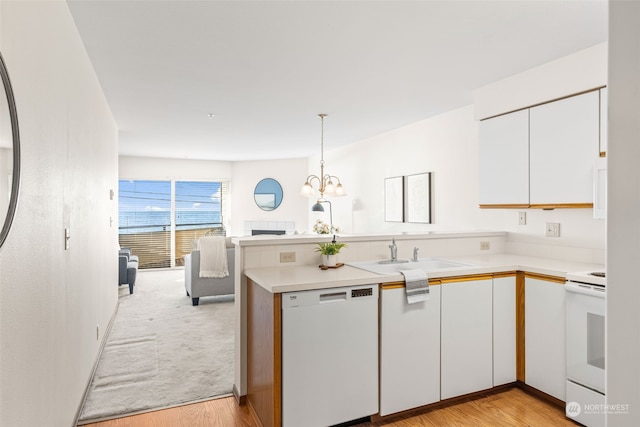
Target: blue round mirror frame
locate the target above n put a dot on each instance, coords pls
(268, 194)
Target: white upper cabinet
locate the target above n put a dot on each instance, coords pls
(543, 156)
(504, 159)
(564, 140)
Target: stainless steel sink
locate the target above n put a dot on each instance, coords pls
(390, 267)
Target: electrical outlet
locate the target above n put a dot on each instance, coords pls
(485, 246)
(553, 229)
(522, 218)
(287, 257)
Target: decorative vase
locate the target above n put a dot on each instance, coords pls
(330, 260)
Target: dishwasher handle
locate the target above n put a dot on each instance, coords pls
(332, 297)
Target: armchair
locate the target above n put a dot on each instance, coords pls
(127, 268)
(202, 287)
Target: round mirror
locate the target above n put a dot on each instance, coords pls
(9, 153)
(268, 194)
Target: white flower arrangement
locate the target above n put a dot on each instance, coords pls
(321, 227)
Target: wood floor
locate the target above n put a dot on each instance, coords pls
(510, 408)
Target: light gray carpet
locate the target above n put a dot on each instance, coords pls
(161, 350)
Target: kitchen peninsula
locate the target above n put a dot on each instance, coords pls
(487, 293)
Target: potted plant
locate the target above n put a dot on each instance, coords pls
(329, 251)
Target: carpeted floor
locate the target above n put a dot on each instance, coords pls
(161, 350)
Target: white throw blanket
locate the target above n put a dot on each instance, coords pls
(213, 257)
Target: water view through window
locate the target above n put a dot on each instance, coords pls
(148, 224)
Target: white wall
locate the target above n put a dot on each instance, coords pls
(51, 300)
(623, 231)
(153, 168)
(447, 145)
(290, 173)
(583, 70)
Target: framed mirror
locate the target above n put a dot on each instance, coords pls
(268, 194)
(9, 153)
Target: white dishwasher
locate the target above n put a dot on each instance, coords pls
(329, 356)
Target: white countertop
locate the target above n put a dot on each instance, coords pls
(269, 239)
(307, 277)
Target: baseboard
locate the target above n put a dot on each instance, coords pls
(378, 419)
(242, 400)
(103, 343)
(254, 414)
(541, 395)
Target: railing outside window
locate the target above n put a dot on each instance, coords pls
(152, 214)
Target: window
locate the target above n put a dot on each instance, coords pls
(198, 211)
(144, 218)
(160, 225)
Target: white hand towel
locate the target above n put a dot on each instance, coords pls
(213, 257)
(416, 284)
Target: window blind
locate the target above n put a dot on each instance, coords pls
(199, 208)
(144, 221)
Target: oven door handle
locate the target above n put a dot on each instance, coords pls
(584, 289)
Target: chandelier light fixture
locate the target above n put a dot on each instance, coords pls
(325, 182)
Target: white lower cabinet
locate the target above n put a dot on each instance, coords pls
(466, 337)
(504, 330)
(545, 337)
(409, 351)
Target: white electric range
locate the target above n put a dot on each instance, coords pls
(585, 393)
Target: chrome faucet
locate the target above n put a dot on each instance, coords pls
(394, 250)
(415, 254)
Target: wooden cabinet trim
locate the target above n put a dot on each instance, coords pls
(504, 206)
(398, 285)
(545, 206)
(264, 354)
(562, 206)
(504, 274)
(520, 330)
(457, 279)
(546, 278)
(546, 102)
(443, 280)
(391, 285)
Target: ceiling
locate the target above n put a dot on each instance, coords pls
(265, 69)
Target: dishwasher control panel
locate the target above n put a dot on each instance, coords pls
(358, 293)
(367, 292)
